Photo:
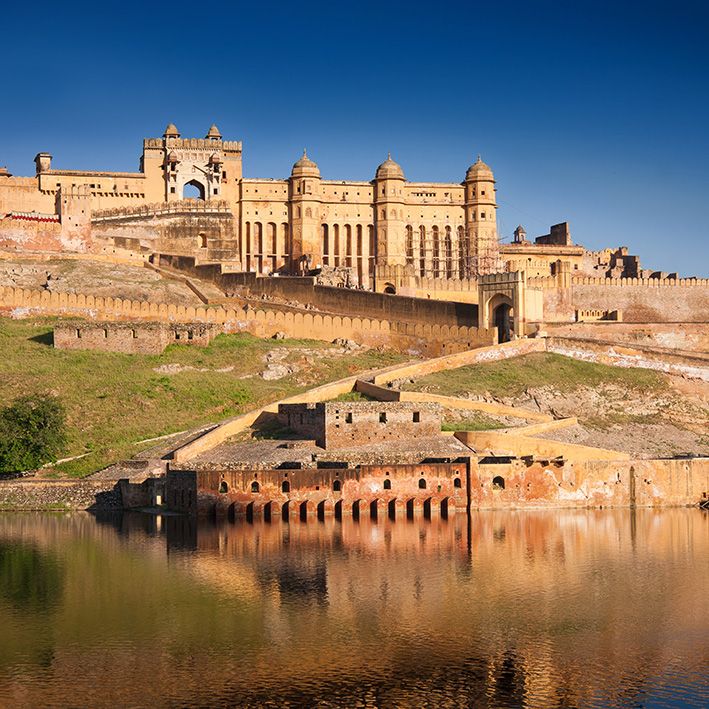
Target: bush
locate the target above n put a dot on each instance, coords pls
(32, 433)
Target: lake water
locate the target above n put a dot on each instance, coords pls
(505, 609)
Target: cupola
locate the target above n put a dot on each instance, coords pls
(389, 170)
(479, 171)
(213, 133)
(305, 167)
(171, 131)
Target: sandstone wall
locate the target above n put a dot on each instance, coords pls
(430, 339)
(30, 494)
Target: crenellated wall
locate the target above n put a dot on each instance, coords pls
(431, 339)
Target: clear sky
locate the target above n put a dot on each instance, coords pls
(593, 113)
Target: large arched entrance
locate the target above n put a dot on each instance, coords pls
(193, 190)
(501, 317)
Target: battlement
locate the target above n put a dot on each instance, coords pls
(228, 146)
(648, 282)
(32, 217)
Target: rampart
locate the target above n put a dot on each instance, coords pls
(329, 299)
(639, 299)
(430, 339)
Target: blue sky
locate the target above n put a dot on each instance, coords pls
(588, 112)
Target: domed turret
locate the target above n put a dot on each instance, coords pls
(213, 133)
(389, 169)
(171, 131)
(479, 171)
(305, 167)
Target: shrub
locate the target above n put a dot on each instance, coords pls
(32, 433)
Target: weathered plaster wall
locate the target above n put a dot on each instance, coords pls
(30, 494)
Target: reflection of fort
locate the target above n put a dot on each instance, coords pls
(499, 609)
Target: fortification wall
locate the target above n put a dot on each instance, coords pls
(649, 300)
(341, 301)
(590, 483)
(681, 338)
(32, 234)
(22, 194)
(429, 339)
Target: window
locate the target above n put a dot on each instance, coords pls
(216, 191)
(422, 484)
(172, 190)
(348, 417)
(498, 482)
(382, 417)
(285, 486)
(457, 482)
(416, 417)
(387, 484)
(482, 215)
(337, 485)
(78, 333)
(223, 487)
(255, 487)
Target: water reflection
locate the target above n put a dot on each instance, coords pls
(545, 609)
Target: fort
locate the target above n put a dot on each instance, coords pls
(413, 267)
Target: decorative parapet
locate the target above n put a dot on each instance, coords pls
(33, 217)
(162, 209)
(649, 282)
(193, 144)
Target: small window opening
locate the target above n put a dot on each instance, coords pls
(382, 417)
(348, 417)
(285, 486)
(498, 482)
(457, 482)
(337, 485)
(422, 484)
(255, 487)
(417, 417)
(223, 487)
(387, 484)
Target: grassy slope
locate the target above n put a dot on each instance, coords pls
(510, 378)
(115, 400)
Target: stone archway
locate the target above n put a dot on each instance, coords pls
(193, 189)
(501, 316)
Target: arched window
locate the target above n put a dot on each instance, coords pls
(223, 487)
(410, 245)
(337, 485)
(457, 482)
(255, 487)
(285, 486)
(422, 484)
(387, 484)
(449, 253)
(498, 482)
(422, 250)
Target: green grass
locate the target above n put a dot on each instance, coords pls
(114, 401)
(476, 422)
(511, 377)
(353, 396)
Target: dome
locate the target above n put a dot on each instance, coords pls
(305, 166)
(213, 132)
(171, 131)
(214, 159)
(172, 156)
(479, 170)
(389, 169)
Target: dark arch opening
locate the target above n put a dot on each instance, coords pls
(193, 190)
(392, 509)
(503, 322)
(336, 485)
(223, 487)
(422, 484)
(255, 487)
(409, 509)
(304, 511)
(387, 484)
(498, 482)
(338, 509)
(390, 289)
(457, 482)
(250, 512)
(285, 511)
(285, 486)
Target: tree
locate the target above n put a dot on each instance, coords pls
(32, 433)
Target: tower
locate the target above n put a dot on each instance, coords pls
(483, 251)
(389, 214)
(306, 248)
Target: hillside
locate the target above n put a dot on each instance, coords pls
(639, 411)
(115, 401)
